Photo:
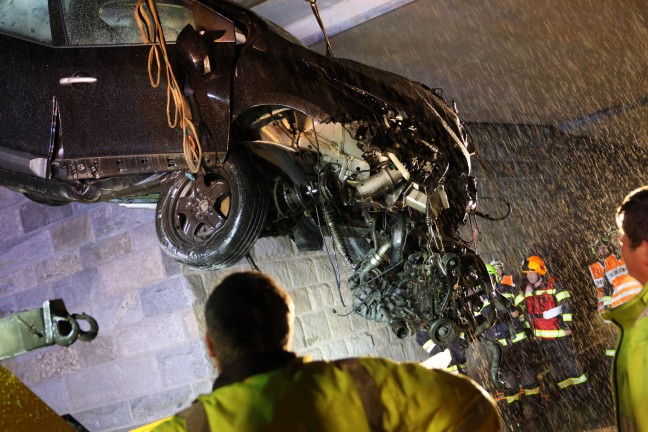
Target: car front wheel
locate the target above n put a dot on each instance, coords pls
(212, 220)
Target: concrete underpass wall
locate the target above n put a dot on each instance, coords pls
(149, 360)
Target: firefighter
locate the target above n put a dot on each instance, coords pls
(548, 307)
(503, 279)
(515, 371)
(614, 285)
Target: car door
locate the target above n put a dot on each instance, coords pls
(107, 105)
(26, 88)
(81, 93)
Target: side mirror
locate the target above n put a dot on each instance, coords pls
(191, 49)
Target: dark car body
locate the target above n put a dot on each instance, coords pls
(293, 143)
(68, 142)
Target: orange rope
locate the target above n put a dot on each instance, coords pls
(153, 34)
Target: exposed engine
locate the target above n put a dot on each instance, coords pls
(391, 204)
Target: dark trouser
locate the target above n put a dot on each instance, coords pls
(521, 356)
(457, 350)
(560, 355)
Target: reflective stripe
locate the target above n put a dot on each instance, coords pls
(610, 352)
(562, 295)
(429, 346)
(579, 380)
(502, 342)
(498, 396)
(368, 390)
(552, 313)
(541, 292)
(519, 299)
(550, 334)
(518, 337)
(623, 295)
(511, 399)
(565, 383)
(567, 317)
(631, 283)
(599, 283)
(531, 391)
(195, 417)
(456, 368)
(546, 291)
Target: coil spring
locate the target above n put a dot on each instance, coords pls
(338, 240)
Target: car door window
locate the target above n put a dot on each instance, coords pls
(112, 22)
(26, 18)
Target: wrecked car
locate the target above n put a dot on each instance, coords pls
(273, 139)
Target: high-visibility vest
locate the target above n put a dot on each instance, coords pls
(363, 394)
(624, 286)
(598, 275)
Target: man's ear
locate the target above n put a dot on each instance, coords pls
(212, 352)
(210, 346)
(644, 252)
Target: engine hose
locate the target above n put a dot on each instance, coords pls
(496, 359)
(338, 240)
(398, 238)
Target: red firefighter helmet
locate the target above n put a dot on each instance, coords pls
(534, 264)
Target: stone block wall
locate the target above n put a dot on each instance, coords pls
(149, 360)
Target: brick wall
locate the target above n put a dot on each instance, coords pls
(149, 360)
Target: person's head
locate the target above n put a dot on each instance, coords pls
(247, 314)
(493, 274)
(614, 237)
(602, 250)
(499, 268)
(532, 277)
(632, 220)
(533, 268)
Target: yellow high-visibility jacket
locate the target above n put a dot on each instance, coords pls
(630, 372)
(353, 395)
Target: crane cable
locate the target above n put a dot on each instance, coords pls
(153, 34)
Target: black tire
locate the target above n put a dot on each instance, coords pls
(213, 221)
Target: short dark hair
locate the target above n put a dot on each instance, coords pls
(632, 216)
(248, 313)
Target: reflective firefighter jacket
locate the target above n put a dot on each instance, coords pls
(615, 286)
(548, 308)
(348, 395)
(630, 371)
